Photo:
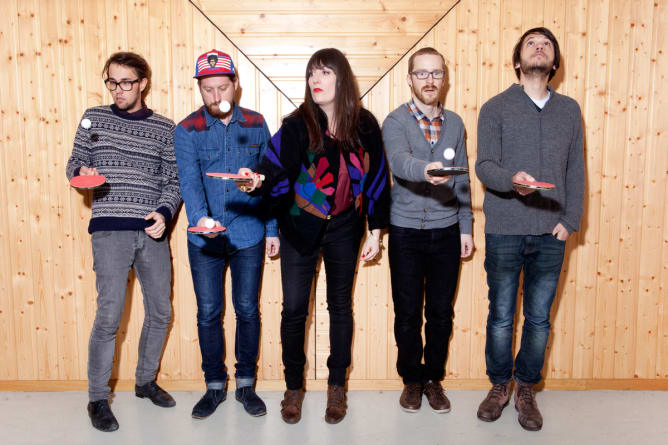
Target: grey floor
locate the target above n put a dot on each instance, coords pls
(374, 417)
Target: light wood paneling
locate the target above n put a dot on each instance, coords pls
(610, 322)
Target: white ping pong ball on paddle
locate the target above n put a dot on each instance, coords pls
(86, 123)
(449, 153)
(224, 106)
(209, 223)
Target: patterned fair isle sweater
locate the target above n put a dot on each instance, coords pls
(135, 153)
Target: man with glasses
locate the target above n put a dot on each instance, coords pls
(430, 228)
(133, 148)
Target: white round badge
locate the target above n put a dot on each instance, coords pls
(86, 123)
(449, 153)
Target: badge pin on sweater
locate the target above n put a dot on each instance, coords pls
(87, 182)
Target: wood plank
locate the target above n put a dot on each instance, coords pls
(214, 6)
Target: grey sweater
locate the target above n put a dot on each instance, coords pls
(416, 203)
(514, 136)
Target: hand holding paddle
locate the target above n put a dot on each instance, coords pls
(256, 180)
(155, 230)
(523, 176)
(435, 180)
(208, 223)
(86, 171)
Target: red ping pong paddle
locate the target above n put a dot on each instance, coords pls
(206, 230)
(86, 182)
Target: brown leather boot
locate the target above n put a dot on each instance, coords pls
(291, 406)
(411, 397)
(436, 397)
(336, 404)
(525, 404)
(497, 398)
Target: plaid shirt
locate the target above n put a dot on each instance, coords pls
(430, 129)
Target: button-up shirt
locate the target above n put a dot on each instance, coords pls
(430, 128)
(202, 144)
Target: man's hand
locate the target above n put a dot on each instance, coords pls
(202, 223)
(523, 176)
(85, 171)
(435, 180)
(560, 232)
(272, 246)
(467, 244)
(155, 230)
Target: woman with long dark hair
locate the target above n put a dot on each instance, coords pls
(324, 172)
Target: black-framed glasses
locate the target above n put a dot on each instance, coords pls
(422, 75)
(126, 85)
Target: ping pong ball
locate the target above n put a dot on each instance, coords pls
(224, 106)
(209, 223)
(86, 123)
(449, 154)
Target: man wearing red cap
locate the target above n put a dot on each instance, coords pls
(221, 137)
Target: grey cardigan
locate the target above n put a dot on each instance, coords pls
(514, 136)
(416, 203)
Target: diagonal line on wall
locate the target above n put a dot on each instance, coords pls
(244, 54)
(281, 91)
(411, 48)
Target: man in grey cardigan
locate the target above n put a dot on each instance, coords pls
(430, 228)
(526, 133)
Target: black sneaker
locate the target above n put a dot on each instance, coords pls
(208, 403)
(250, 400)
(156, 394)
(101, 416)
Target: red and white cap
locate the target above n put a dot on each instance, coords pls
(213, 63)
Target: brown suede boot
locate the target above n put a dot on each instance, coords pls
(291, 406)
(525, 404)
(336, 404)
(497, 398)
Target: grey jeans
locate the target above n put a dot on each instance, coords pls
(114, 253)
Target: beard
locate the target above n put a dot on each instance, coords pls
(215, 111)
(537, 68)
(431, 99)
(127, 105)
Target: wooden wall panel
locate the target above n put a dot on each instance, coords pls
(610, 320)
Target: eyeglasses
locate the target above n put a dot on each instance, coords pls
(422, 75)
(126, 85)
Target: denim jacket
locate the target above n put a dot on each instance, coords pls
(202, 143)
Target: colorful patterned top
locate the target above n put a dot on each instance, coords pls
(303, 184)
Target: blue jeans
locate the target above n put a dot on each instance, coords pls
(424, 266)
(506, 255)
(208, 272)
(115, 252)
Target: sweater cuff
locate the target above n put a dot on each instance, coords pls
(164, 211)
(466, 226)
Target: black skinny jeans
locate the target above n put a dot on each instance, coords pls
(340, 248)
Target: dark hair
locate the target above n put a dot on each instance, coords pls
(546, 33)
(346, 102)
(422, 51)
(134, 61)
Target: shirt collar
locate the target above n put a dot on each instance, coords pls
(419, 115)
(237, 115)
